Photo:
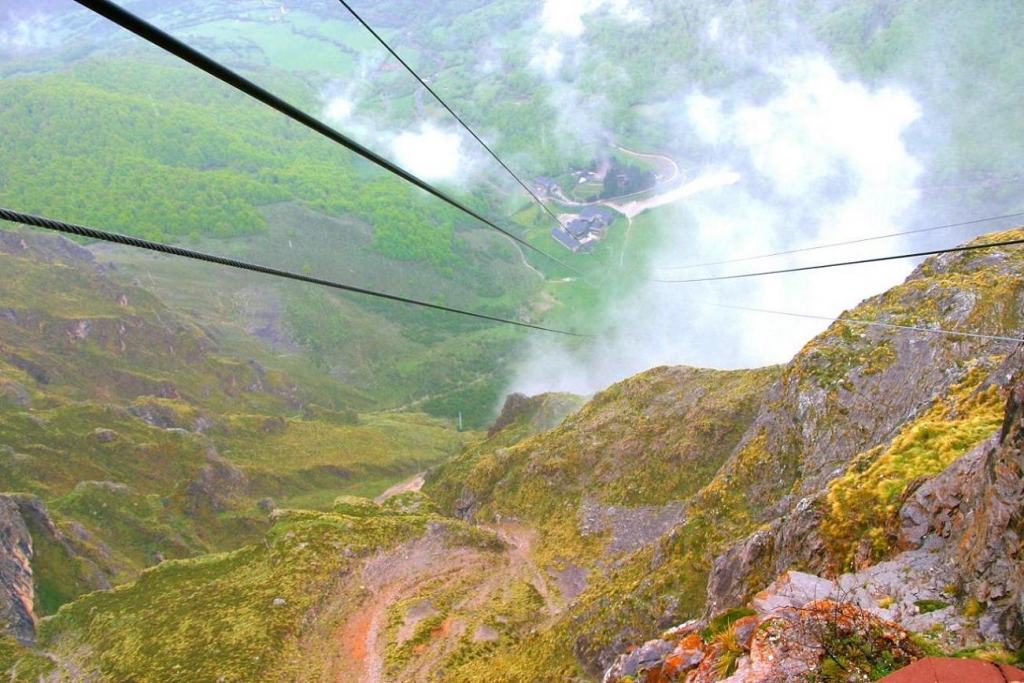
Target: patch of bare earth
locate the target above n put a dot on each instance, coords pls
(430, 580)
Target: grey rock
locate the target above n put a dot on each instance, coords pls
(216, 486)
(17, 595)
(792, 589)
(571, 581)
(631, 527)
(628, 664)
(15, 392)
(793, 541)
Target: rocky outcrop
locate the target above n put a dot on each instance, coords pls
(25, 526)
(796, 629)
(630, 528)
(972, 517)
(17, 596)
(992, 559)
(854, 388)
(789, 542)
(533, 414)
(215, 487)
(948, 560)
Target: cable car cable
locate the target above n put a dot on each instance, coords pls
(165, 41)
(458, 118)
(139, 243)
(969, 247)
(841, 244)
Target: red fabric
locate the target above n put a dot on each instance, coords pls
(948, 670)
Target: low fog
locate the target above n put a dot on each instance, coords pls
(812, 156)
(429, 152)
(824, 159)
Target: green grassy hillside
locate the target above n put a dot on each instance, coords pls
(153, 434)
(139, 145)
(246, 615)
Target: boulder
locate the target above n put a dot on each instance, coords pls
(792, 589)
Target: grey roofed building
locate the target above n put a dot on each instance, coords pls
(545, 184)
(594, 213)
(565, 239)
(578, 228)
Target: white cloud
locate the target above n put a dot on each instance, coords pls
(714, 31)
(823, 161)
(547, 61)
(31, 33)
(565, 17)
(819, 121)
(430, 154)
(339, 110)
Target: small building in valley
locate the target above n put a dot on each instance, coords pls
(579, 231)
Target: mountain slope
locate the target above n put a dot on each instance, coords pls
(849, 399)
(135, 433)
(676, 494)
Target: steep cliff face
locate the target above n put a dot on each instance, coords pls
(850, 393)
(32, 545)
(16, 593)
(971, 517)
(991, 548)
(956, 577)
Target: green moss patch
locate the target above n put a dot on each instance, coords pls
(864, 501)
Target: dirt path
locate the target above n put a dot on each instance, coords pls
(418, 572)
(414, 483)
(668, 161)
(523, 257)
(708, 181)
(387, 578)
(420, 401)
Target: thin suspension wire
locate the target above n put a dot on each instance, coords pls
(458, 118)
(842, 244)
(165, 41)
(92, 233)
(970, 247)
(867, 323)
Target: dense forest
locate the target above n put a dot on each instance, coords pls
(138, 147)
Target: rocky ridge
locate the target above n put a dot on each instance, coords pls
(814, 479)
(958, 578)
